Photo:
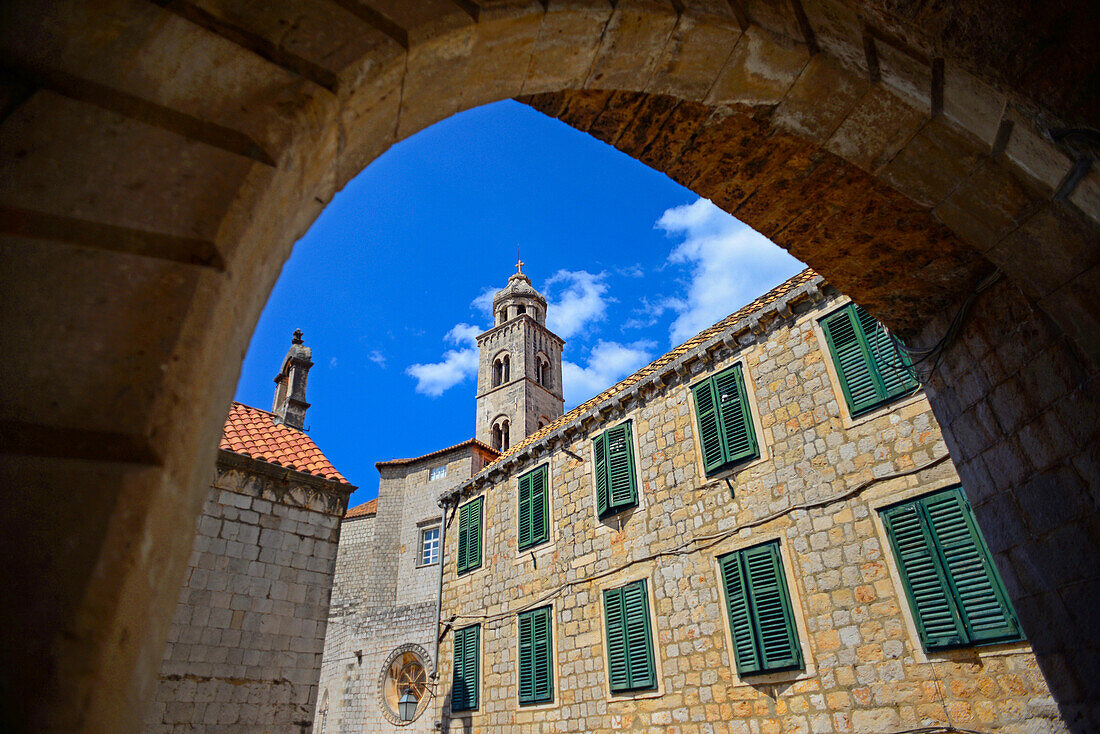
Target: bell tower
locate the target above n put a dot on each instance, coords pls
(519, 386)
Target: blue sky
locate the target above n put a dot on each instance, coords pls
(390, 284)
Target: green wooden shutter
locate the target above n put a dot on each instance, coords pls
(736, 418)
(630, 659)
(620, 468)
(534, 508)
(938, 622)
(892, 366)
(524, 534)
(469, 536)
(776, 632)
(535, 656)
(861, 386)
(639, 641)
(603, 497)
(464, 682)
(980, 598)
(618, 674)
(762, 624)
(710, 434)
(745, 648)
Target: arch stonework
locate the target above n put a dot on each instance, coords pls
(159, 159)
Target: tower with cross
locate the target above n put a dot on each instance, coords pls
(519, 386)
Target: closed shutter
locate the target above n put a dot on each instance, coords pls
(534, 510)
(892, 365)
(737, 605)
(639, 641)
(778, 639)
(603, 497)
(710, 434)
(469, 536)
(535, 657)
(736, 418)
(762, 625)
(620, 467)
(616, 487)
(925, 583)
(524, 534)
(862, 389)
(466, 669)
(617, 671)
(629, 638)
(980, 598)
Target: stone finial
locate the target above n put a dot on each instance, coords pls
(290, 403)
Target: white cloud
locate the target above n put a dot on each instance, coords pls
(484, 302)
(581, 302)
(608, 362)
(332, 363)
(435, 378)
(729, 262)
(378, 358)
(631, 271)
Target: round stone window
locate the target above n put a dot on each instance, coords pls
(404, 685)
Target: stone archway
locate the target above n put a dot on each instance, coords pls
(158, 158)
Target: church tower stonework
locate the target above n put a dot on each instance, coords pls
(519, 387)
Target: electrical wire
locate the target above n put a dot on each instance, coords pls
(935, 352)
(693, 545)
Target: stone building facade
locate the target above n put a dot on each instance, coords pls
(773, 586)
(246, 639)
(384, 610)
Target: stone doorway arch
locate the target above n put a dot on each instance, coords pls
(159, 158)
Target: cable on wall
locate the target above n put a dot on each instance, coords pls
(694, 544)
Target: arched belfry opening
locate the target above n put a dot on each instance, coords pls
(148, 201)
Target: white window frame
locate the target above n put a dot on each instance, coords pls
(423, 539)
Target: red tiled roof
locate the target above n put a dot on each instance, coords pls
(774, 294)
(468, 442)
(367, 509)
(255, 433)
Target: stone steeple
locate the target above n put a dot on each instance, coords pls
(519, 369)
(290, 403)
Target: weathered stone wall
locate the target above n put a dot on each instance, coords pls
(1022, 403)
(246, 640)
(384, 598)
(817, 488)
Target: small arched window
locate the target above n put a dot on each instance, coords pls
(542, 371)
(500, 370)
(520, 310)
(501, 435)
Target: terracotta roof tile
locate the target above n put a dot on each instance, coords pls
(468, 442)
(703, 336)
(367, 509)
(255, 433)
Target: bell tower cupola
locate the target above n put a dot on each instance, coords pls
(519, 386)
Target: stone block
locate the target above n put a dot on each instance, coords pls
(760, 70)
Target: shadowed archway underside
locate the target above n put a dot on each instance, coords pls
(159, 158)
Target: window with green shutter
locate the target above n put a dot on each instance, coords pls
(536, 657)
(616, 485)
(630, 663)
(726, 432)
(464, 681)
(765, 638)
(871, 367)
(950, 581)
(534, 507)
(469, 536)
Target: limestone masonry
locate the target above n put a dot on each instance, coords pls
(246, 639)
(761, 531)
